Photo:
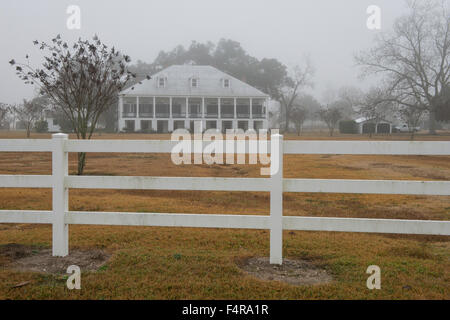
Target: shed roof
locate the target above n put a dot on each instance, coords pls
(364, 119)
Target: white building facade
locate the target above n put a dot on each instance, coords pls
(14, 123)
(179, 95)
(365, 125)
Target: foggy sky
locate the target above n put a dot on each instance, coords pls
(329, 31)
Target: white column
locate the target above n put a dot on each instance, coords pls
(187, 123)
(120, 123)
(251, 108)
(218, 109)
(170, 122)
(137, 122)
(266, 121)
(203, 107)
(235, 114)
(276, 199)
(219, 125)
(137, 107)
(120, 106)
(154, 123)
(60, 196)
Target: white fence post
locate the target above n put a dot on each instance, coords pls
(60, 230)
(276, 199)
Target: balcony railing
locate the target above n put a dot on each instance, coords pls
(227, 115)
(195, 115)
(243, 115)
(212, 115)
(128, 114)
(162, 115)
(145, 114)
(178, 115)
(259, 115)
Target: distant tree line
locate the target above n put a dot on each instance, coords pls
(227, 55)
(413, 61)
(82, 80)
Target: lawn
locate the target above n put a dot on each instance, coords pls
(185, 263)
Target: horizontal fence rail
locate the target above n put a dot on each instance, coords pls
(440, 188)
(290, 147)
(26, 216)
(429, 148)
(60, 182)
(26, 181)
(367, 225)
(169, 220)
(168, 183)
(26, 145)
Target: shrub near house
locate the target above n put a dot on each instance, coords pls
(41, 126)
(348, 126)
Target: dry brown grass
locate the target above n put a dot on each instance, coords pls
(180, 263)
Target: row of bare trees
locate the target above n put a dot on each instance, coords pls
(27, 113)
(413, 65)
(4, 111)
(83, 80)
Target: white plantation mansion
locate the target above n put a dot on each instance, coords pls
(179, 95)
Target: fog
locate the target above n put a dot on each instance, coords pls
(329, 31)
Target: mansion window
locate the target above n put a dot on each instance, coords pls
(161, 82)
(129, 108)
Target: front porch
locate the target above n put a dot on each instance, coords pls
(142, 113)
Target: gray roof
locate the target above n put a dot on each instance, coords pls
(210, 84)
(364, 120)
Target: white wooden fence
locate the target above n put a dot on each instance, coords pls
(60, 217)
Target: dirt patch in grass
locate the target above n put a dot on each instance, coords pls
(295, 272)
(35, 259)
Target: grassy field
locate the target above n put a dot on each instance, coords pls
(184, 263)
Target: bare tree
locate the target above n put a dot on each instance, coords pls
(375, 105)
(443, 109)
(412, 117)
(29, 112)
(300, 78)
(345, 99)
(331, 116)
(350, 94)
(4, 111)
(349, 99)
(299, 115)
(82, 80)
(415, 57)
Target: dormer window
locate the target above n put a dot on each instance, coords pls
(161, 82)
(194, 82)
(226, 83)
